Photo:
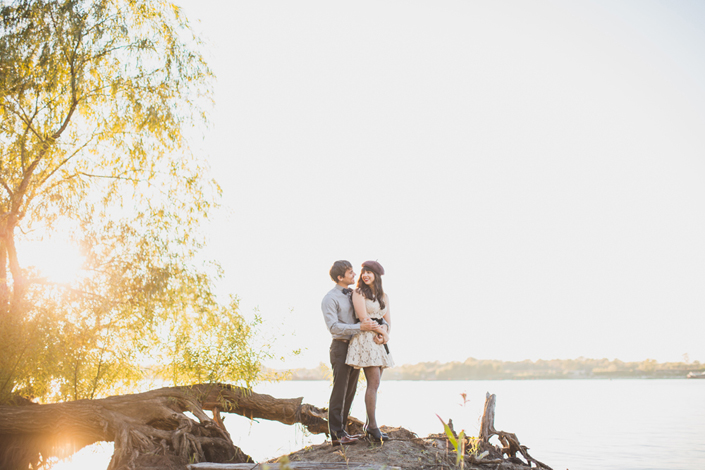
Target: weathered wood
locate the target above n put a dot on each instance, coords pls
(487, 424)
(509, 440)
(291, 465)
(146, 425)
(141, 425)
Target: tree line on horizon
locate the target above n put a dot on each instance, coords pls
(490, 369)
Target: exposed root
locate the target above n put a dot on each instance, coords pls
(510, 442)
(152, 429)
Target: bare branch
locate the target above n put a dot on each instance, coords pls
(66, 160)
(71, 60)
(23, 152)
(134, 180)
(25, 120)
(100, 23)
(5, 185)
(72, 109)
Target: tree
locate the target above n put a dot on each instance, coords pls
(95, 98)
(150, 429)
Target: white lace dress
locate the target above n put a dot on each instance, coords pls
(362, 350)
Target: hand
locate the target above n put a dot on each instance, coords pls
(368, 325)
(381, 338)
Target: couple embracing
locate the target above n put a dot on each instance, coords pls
(359, 321)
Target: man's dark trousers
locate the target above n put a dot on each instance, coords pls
(344, 387)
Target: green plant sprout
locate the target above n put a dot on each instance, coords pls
(459, 444)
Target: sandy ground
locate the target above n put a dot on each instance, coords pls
(405, 449)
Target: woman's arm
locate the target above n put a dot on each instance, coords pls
(359, 304)
(383, 332)
(388, 315)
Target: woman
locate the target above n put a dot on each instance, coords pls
(368, 349)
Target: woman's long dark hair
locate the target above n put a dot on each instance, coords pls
(366, 290)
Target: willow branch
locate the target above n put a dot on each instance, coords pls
(4, 184)
(65, 161)
(133, 180)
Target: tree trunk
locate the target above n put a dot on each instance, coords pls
(4, 286)
(150, 430)
(19, 284)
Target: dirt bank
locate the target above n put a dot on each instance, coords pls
(405, 449)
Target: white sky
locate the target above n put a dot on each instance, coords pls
(530, 174)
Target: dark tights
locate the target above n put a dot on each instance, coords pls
(373, 375)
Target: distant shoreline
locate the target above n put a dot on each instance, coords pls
(555, 369)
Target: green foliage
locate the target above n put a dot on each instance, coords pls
(212, 346)
(458, 444)
(284, 464)
(95, 97)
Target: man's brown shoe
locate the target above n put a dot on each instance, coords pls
(343, 438)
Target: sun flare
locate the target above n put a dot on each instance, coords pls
(57, 260)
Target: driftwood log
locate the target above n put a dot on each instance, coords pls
(510, 442)
(151, 430)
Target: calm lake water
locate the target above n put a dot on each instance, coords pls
(567, 424)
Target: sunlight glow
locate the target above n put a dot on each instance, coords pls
(91, 457)
(57, 259)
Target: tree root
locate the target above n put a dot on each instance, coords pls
(510, 442)
(150, 429)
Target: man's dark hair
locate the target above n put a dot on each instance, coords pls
(339, 268)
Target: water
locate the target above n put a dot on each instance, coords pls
(567, 424)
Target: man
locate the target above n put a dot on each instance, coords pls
(340, 319)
